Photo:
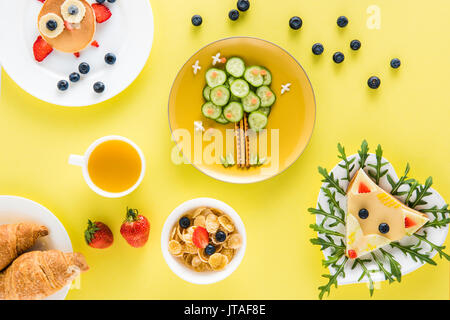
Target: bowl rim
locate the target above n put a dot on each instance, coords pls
(255, 180)
(190, 275)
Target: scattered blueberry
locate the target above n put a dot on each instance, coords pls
(84, 68)
(111, 1)
(196, 20)
(243, 5)
(73, 10)
(184, 222)
(363, 213)
(317, 49)
(338, 57)
(74, 77)
(100, 1)
(355, 44)
(383, 228)
(373, 82)
(233, 14)
(210, 249)
(342, 21)
(52, 25)
(395, 63)
(221, 236)
(110, 58)
(63, 85)
(99, 87)
(295, 23)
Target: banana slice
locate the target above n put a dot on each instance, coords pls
(51, 25)
(73, 11)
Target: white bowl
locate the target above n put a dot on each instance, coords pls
(177, 266)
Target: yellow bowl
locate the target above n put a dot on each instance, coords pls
(292, 117)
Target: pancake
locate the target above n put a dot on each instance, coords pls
(75, 40)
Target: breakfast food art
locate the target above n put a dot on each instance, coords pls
(205, 239)
(373, 226)
(33, 275)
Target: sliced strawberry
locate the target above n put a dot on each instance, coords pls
(223, 60)
(363, 188)
(95, 44)
(352, 254)
(41, 1)
(77, 54)
(200, 237)
(409, 222)
(102, 12)
(68, 26)
(41, 49)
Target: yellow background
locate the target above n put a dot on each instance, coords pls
(408, 116)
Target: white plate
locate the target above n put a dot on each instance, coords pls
(436, 236)
(16, 209)
(128, 34)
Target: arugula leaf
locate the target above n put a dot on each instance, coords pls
(413, 186)
(363, 154)
(329, 243)
(348, 163)
(422, 192)
(439, 249)
(332, 182)
(387, 275)
(323, 230)
(365, 272)
(333, 202)
(396, 268)
(332, 279)
(403, 180)
(437, 223)
(378, 167)
(414, 253)
(322, 212)
(435, 211)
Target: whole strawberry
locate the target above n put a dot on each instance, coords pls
(98, 235)
(135, 229)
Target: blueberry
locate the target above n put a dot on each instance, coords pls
(74, 77)
(220, 236)
(363, 213)
(383, 228)
(52, 25)
(355, 44)
(395, 63)
(73, 10)
(295, 23)
(111, 1)
(317, 49)
(210, 249)
(196, 20)
(184, 222)
(338, 57)
(342, 21)
(99, 87)
(243, 5)
(100, 1)
(63, 85)
(373, 82)
(110, 58)
(84, 68)
(233, 14)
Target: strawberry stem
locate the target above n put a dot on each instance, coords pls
(132, 215)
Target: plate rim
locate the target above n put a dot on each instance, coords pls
(234, 181)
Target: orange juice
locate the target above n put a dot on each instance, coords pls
(114, 166)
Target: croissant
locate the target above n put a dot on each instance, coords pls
(15, 239)
(39, 274)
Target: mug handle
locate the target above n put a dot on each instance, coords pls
(76, 160)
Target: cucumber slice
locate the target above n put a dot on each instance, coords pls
(222, 120)
(266, 95)
(253, 76)
(257, 121)
(211, 111)
(240, 88)
(230, 80)
(206, 93)
(220, 96)
(251, 102)
(265, 110)
(235, 66)
(215, 77)
(233, 112)
(267, 76)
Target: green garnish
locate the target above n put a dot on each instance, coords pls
(378, 167)
(348, 163)
(363, 154)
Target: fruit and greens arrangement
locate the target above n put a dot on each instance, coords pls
(343, 230)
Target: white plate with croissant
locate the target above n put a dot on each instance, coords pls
(36, 258)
